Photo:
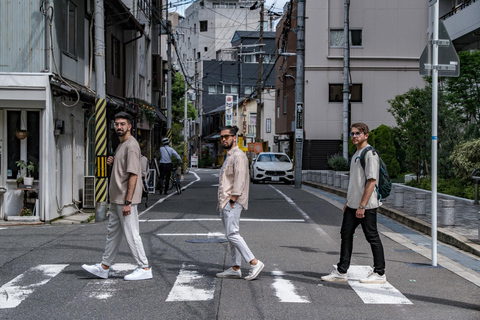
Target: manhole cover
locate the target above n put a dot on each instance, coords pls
(212, 240)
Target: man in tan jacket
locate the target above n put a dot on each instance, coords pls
(232, 199)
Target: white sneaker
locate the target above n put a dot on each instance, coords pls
(255, 270)
(139, 274)
(97, 270)
(230, 273)
(374, 278)
(335, 276)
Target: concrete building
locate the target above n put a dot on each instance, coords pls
(48, 91)
(386, 40)
(462, 20)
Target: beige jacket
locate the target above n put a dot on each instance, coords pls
(234, 179)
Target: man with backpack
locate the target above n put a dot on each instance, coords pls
(166, 153)
(363, 199)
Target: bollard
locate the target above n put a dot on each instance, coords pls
(309, 175)
(448, 212)
(478, 225)
(337, 182)
(420, 204)
(399, 197)
(324, 178)
(345, 181)
(304, 175)
(330, 178)
(317, 177)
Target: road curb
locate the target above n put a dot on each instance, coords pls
(443, 235)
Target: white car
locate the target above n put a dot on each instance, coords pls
(272, 166)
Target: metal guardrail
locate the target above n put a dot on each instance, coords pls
(476, 178)
(458, 8)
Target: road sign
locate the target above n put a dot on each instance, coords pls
(448, 62)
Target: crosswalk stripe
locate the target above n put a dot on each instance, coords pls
(374, 293)
(191, 285)
(18, 289)
(285, 290)
(209, 234)
(218, 219)
(103, 289)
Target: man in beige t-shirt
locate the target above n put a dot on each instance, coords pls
(125, 194)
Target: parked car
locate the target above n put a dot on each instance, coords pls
(272, 166)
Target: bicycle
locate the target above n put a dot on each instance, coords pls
(175, 182)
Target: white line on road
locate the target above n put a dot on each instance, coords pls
(192, 286)
(210, 234)
(374, 293)
(307, 218)
(17, 290)
(105, 288)
(285, 290)
(171, 194)
(218, 219)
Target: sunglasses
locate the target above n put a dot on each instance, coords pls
(225, 137)
(356, 134)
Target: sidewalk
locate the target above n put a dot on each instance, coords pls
(463, 235)
(87, 214)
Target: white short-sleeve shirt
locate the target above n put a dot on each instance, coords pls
(359, 177)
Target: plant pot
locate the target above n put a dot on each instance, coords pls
(28, 181)
(21, 134)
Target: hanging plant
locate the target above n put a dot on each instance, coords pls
(21, 134)
(149, 116)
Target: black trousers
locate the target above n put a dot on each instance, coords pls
(165, 172)
(369, 226)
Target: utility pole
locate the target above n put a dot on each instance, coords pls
(100, 116)
(185, 129)
(346, 67)
(299, 108)
(259, 79)
(169, 75)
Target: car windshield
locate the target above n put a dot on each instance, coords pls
(273, 158)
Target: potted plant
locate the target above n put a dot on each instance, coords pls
(25, 212)
(30, 167)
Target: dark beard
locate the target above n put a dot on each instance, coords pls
(121, 134)
(228, 147)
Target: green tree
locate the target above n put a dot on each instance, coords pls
(382, 140)
(178, 101)
(466, 158)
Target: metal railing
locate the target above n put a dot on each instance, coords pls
(458, 8)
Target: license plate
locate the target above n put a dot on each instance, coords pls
(275, 179)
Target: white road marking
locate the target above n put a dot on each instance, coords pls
(218, 219)
(285, 290)
(192, 286)
(374, 293)
(18, 289)
(171, 194)
(3, 228)
(104, 288)
(307, 218)
(210, 234)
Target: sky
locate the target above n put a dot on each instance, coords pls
(278, 5)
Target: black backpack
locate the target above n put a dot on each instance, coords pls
(384, 184)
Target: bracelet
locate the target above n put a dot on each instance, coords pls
(361, 207)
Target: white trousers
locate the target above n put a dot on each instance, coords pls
(238, 247)
(119, 226)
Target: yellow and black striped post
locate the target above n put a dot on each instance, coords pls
(169, 135)
(100, 154)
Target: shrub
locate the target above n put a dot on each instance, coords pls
(465, 159)
(338, 163)
(382, 139)
(453, 187)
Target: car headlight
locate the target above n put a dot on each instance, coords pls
(291, 170)
(260, 169)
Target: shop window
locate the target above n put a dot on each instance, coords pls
(28, 148)
(336, 93)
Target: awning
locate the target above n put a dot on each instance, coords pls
(213, 136)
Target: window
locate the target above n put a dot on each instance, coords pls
(223, 89)
(252, 124)
(115, 57)
(144, 5)
(212, 89)
(336, 38)
(71, 29)
(204, 26)
(195, 28)
(27, 149)
(205, 49)
(250, 58)
(336, 94)
(248, 89)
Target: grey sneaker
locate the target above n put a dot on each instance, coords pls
(230, 273)
(335, 276)
(255, 270)
(139, 274)
(97, 270)
(374, 278)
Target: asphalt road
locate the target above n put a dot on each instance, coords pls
(295, 234)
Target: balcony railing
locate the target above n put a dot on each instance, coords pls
(458, 8)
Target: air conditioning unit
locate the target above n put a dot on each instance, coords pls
(89, 192)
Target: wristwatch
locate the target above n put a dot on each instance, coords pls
(231, 201)
(128, 202)
(361, 207)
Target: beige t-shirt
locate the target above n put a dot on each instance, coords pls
(358, 178)
(127, 161)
